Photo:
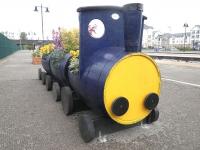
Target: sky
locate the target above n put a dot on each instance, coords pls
(164, 15)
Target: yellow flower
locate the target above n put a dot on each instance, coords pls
(74, 53)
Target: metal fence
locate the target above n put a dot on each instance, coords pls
(7, 46)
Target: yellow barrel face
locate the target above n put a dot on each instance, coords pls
(133, 77)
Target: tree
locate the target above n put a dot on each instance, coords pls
(23, 36)
(70, 39)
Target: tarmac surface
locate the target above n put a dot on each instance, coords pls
(31, 120)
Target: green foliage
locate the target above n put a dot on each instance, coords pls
(74, 65)
(184, 49)
(23, 36)
(29, 47)
(70, 39)
(36, 54)
(57, 56)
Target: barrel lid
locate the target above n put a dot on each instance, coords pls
(133, 77)
(133, 6)
(98, 8)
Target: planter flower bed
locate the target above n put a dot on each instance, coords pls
(36, 60)
(43, 50)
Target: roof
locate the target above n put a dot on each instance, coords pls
(196, 27)
(147, 27)
(131, 6)
(180, 34)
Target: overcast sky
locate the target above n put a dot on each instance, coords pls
(163, 15)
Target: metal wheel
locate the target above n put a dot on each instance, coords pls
(40, 74)
(43, 76)
(48, 82)
(56, 92)
(153, 116)
(86, 127)
(67, 100)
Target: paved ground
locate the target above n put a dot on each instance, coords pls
(176, 51)
(176, 55)
(30, 119)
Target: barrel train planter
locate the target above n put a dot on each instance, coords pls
(114, 78)
(36, 60)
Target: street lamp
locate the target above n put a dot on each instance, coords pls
(185, 37)
(41, 11)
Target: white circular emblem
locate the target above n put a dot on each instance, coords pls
(96, 28)
(115, 16)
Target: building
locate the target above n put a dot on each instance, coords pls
(156, 39)
(152, 39)
(165, 41)
(195, 37)
(147, 37)
(177, 40)
(14, 35)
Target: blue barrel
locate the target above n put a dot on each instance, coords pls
(111, 73)
(46, 63)
(57, 68)
(58, 64)
(134, 22)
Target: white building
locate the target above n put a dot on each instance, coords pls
(195, 37)
(15, 36)
(177, 40)
(165, 41)
(147, 41)
(151, 38)
(156, 39)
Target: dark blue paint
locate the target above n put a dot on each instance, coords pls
(113, 36)
(59, 73)
(46, 63)
(97, 56)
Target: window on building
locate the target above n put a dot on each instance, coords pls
(193, 37)
(197, 36)
(197, 32)
(193, 32)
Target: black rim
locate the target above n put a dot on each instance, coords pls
(48, 82)
(56, 92)
(153, 116)
(43, 78)
(120, 106)
(67, 102)
(151, 101)
(86, 127)
(39, 73)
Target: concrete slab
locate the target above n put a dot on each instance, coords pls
(30, 119)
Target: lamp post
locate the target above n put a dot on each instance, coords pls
(41, 11)
(185, 37)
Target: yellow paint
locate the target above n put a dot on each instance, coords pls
(133, 77)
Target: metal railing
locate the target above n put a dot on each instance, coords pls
(7, 46)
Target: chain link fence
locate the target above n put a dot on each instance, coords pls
(7, 46)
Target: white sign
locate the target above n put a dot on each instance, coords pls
(96, 28)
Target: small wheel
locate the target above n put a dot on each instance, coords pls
(43, 76)
(48, 82)
(86, 127)
(40, 74)
(56, 92)
(67, 100)
(153, 116)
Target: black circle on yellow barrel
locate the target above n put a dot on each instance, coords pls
(120, 106)
(151, 101)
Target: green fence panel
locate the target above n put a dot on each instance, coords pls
(7, 46)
